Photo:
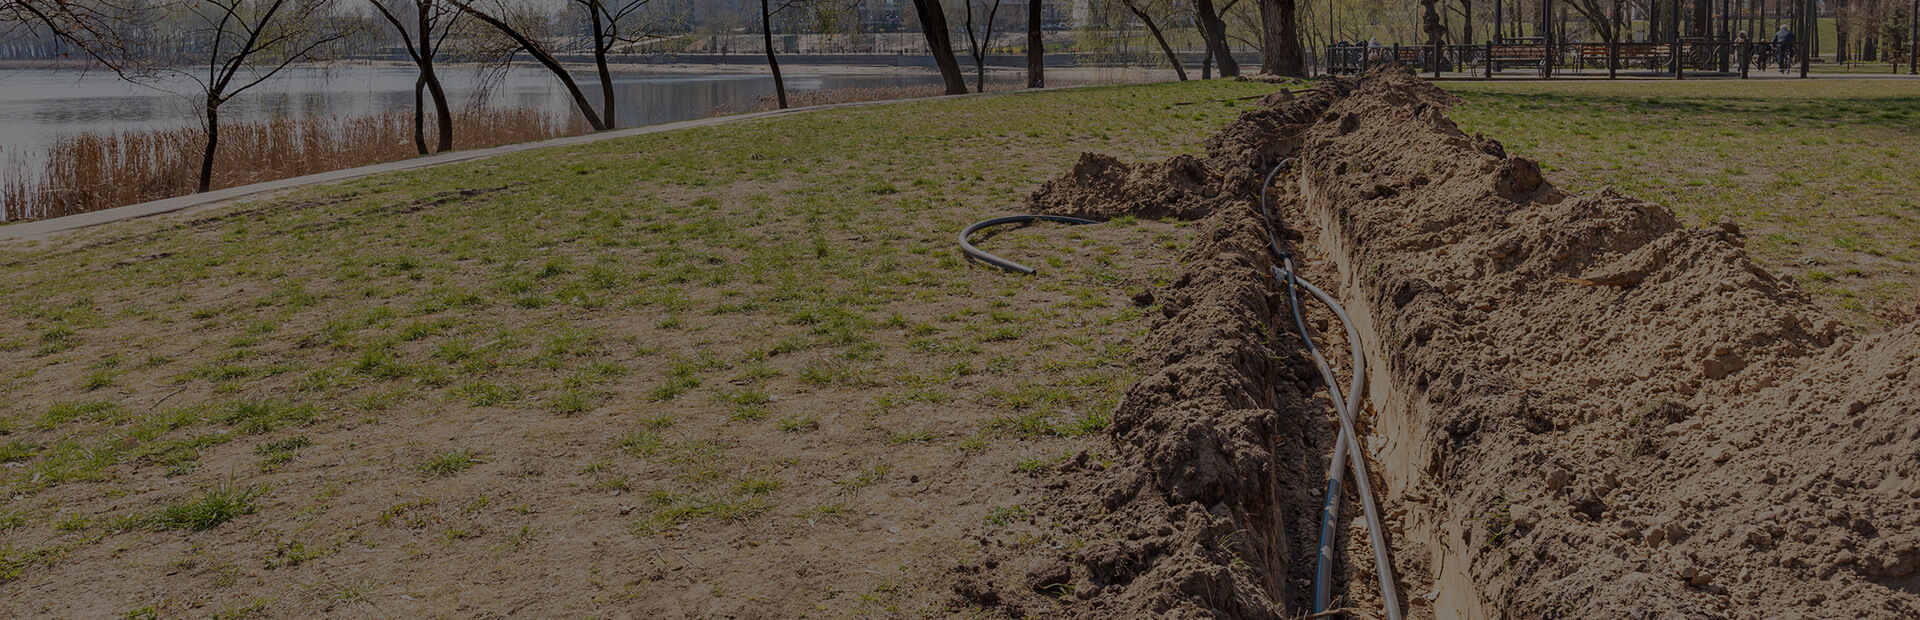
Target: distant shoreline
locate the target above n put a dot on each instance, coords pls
(1074, 74)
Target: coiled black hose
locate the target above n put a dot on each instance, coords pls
(977, 254)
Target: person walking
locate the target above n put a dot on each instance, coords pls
(1783, 41)
(1742, 49)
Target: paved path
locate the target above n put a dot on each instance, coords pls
(43, 228)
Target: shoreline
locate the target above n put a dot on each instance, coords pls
(1134, 73)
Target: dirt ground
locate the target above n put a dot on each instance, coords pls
(739, 371)
(1578, 407)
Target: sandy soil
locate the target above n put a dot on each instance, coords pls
(1579, 408)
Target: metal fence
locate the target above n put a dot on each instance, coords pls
(1534, 58)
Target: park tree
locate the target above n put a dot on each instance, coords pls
(525, 28)
(423, 27)
(1214, 31)
(773, 61)
(933, 24)
(610, 24)
(613, 23)
(243, 43)
(113, 33)
(824, 14)
(1280, 52)
(1036, 47)
(1601, 16)
(980, 40)
(1145, 10)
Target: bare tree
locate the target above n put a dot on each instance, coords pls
(1140, 9)
(980, 44)
(432, 21)
(246, 42)
(107, 31)
(766, 34)
(1600, 16)
(614, 23)
(498, 17)
(1214, 30)
(933, 24)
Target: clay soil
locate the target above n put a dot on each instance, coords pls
(1578, 407)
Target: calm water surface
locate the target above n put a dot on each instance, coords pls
(38, 106)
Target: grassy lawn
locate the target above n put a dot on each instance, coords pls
(668, 372)
(1823, 175)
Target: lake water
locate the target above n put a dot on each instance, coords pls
(37, 106)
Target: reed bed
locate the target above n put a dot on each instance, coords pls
(101, 170)
(806, 98)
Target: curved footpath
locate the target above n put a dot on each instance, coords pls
(43, 228)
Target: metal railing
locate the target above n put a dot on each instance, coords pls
(1674, 59)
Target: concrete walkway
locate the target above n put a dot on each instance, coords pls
(48, 227)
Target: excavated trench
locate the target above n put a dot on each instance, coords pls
(1577, 407)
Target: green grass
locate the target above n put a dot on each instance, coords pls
(448, 462)
(1823, 176)
(691, 310)
(209, 509)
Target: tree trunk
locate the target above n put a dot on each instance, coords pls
(766, 36)
(1036, 48)
(1282, 50)
(600, 46)
(1840, 22)
(933, 24)
(443, 117)
(1215, 31)
(419, 114)
(1654, 23)
(546, 60)
(1206, 64)
(443, 113)
(1466, 21)
(1172, 58)
(1702, 16)
(213, 144)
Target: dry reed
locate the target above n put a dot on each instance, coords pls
(101, 170)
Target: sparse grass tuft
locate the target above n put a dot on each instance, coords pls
(212, 507)
(447, 462)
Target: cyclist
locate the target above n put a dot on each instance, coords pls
(1783, 39)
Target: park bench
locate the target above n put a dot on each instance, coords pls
(1517, 53)
(1628, 51)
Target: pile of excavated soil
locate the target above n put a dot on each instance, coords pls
(1210, 508)
(1579, 408)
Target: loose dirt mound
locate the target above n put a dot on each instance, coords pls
(1210, 508)
(1101, 187)
(1607, 414)
(1581, 408)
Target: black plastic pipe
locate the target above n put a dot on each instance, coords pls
(1346, 446)
(977, 254)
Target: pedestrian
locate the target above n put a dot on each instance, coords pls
(1742, 49)
(1783, 41)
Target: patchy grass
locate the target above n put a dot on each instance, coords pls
(1822, 175)
(207, 510)
(448, 462)
(738, 328)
